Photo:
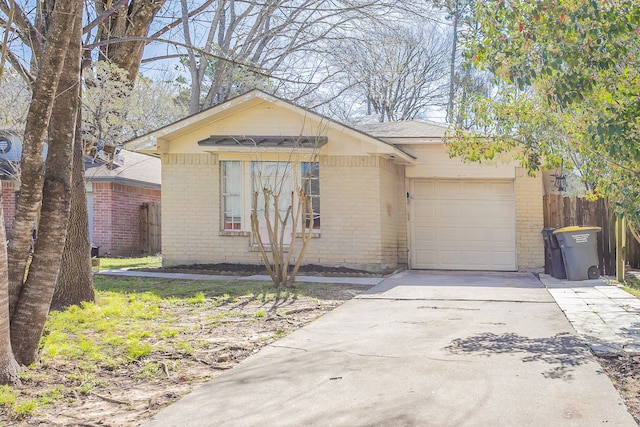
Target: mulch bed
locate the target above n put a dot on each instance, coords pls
(231, 269)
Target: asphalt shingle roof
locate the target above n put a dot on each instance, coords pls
(404, 129)
(137, 168)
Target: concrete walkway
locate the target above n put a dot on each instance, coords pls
(607, 317)
(420, 348)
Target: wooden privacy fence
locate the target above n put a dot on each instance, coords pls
(562, 211)
(150, 221)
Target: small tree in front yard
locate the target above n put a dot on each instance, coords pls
(282, 217)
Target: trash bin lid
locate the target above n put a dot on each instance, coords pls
(574, 228)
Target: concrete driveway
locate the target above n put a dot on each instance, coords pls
(424, 349)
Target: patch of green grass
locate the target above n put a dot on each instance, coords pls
(84, 381)
(7, 396)
(25, 408)
(117, 263)
(137, 349)
(169, 333)
(633, 287)
(21, 408)
(51, 396)
(185, 347)
(151, 370)
(198, 298)
(130, 320)
(126, 324)
(224, 290)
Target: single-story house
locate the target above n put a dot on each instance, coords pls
(385, 196)
(116, 190)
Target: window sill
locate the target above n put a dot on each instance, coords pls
(314, 234)
(255, 248)
(233, 233)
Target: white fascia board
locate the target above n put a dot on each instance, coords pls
(146, 143)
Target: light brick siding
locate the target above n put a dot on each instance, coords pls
(393, 216)
(8, 202)
(353, 232)
(116, 217)
(190, 212)
(352, 224)
(529, 221)
(363, 222)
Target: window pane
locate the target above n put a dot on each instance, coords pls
(275, 177)
(310, 172)
(231, 195)
(232, 177)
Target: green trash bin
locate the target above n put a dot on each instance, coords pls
(579, 251)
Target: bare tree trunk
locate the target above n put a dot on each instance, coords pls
(44, 92)
(133, 20)
(8, 365)
(27, 322)
(75, 281)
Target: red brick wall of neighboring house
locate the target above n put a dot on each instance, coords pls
(116, 217)
(8, 202)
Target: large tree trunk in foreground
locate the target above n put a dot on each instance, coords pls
(75, 281)
(32, 308)
(8, 364)
(37, 123)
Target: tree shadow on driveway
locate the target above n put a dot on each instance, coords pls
(562, 351)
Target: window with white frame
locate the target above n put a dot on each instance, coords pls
(231, 195)
(272, 179)
(278, 178)
(310, 176)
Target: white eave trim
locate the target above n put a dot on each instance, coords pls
(148, 143)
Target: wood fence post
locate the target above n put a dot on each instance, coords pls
(621, 248)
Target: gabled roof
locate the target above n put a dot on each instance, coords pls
(148, 143)
(137, 168)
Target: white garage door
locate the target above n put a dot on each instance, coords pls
(462, 224)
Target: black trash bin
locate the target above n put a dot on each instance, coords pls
(579, 251)
(554, 264)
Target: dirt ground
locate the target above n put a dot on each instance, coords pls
(125, 397)
(624, 372)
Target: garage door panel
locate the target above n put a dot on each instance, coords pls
(503, 190)
(503, 239)
(425, 190)
(448, 210)
(424, 209)
(463, 224)
(477, 234)
(429, 256)
(448, 234)
(450, 257)
(477, 258)
(503, 258)
(430, 235)
(447, 187)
